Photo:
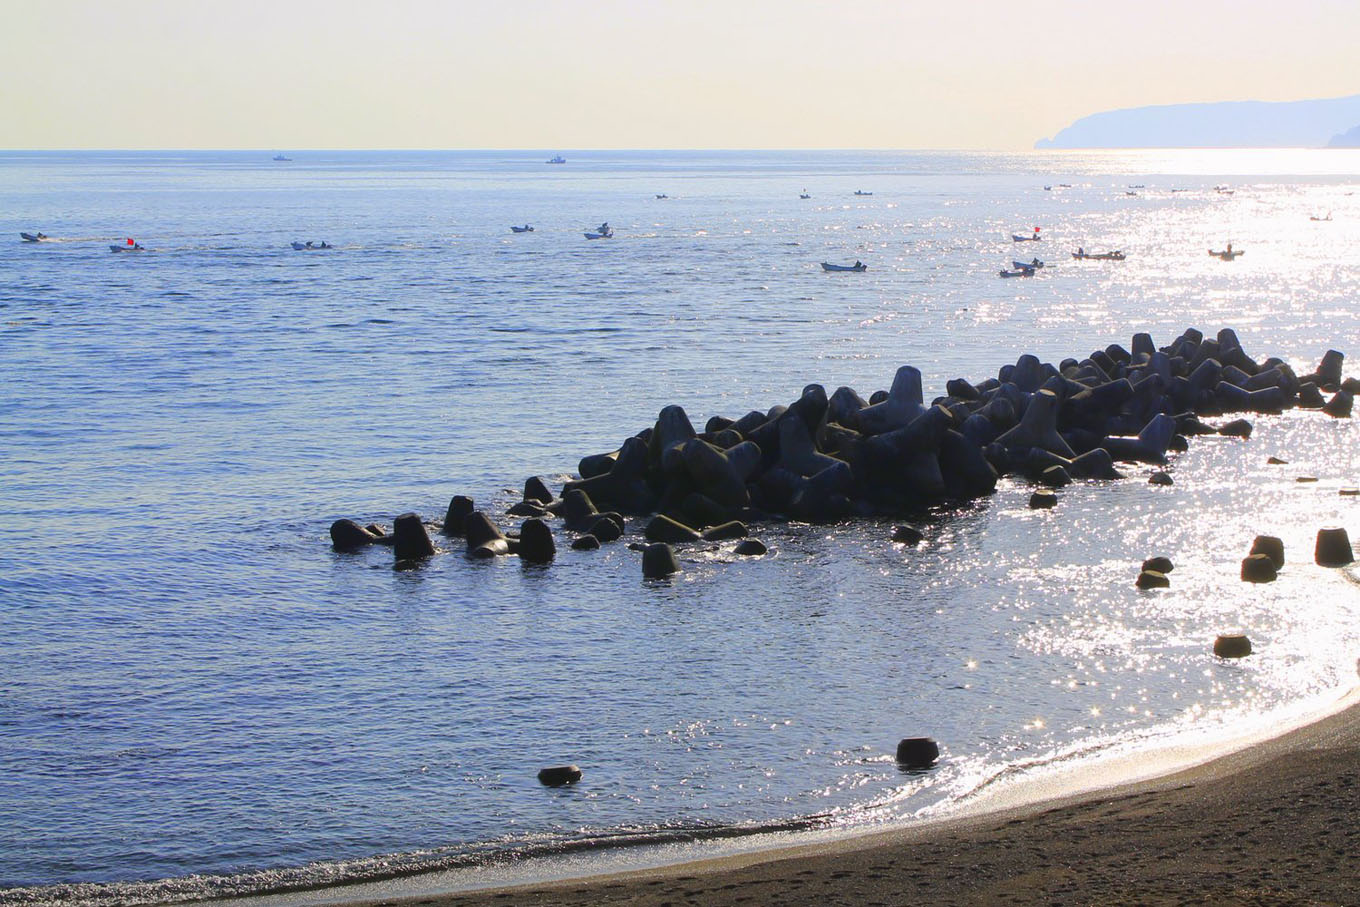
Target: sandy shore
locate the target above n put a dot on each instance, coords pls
(1277, 823)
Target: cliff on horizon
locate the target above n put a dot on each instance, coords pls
(1226, 124)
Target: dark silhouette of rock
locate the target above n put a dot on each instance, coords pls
(484, 538)
(559, 775)
(664, 529)
(1159, 564)
(1333, 548)
(1043, 499)
(1160, 478)
(1339, 407)
(1258, 568)
(733, 529)
(1151, 579)
(1232, 645)
(536, 545)
(907, 535)
(536, 490)
(459, 508)
(347, 535)
(585, 542)
(658, 560)
(917, 752)
(750, 548)
(411, 541)
(1270, 546)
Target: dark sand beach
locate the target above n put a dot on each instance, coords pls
(1276, 823)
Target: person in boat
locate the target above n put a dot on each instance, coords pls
(603, 229)
(1035, 263)
(1228, 251)
(1081, 252)
(858, 263)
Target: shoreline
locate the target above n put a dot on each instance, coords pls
(1276, 822)
(1202, 828)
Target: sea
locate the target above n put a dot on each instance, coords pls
(199, 697)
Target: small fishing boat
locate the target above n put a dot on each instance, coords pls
(32, 237)
(1036, 263)
(557, 159)
(1315, 217)
(862, 192)
(1021, 237)
(857, 267)
(1083, 255)
(1227, 254)
(527, 228)
(804, 195)
(663, 195)
(130, 246)
(310, 246)
(279, 157)
(1018, 272)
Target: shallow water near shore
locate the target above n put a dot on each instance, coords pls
(194, 684)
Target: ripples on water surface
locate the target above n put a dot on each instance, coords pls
(192, 682)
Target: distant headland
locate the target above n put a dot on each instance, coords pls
(1323, 123)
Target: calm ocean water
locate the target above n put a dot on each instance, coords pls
(193, 683)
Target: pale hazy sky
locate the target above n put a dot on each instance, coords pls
(564, 74)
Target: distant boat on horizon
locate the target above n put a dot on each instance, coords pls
(279, 157)
(557, 159)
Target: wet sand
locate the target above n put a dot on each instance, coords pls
(1277, 823)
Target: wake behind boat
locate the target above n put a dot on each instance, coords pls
(857, 267)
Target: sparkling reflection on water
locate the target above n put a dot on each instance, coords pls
(193, 682)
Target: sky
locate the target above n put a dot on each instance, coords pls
(594, 74)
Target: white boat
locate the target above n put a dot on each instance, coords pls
(1083, 255)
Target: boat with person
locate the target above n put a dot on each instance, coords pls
(857, 267)
(603, 231)
(1023, 271)
(557, 159)
(527, 228)
(131, 245)
(32, 237)
(804, 194)
(1315, 217)
(1035, 263)
(1021, 237)
(1082, 255)
(310, 246)
(1227, 254)
(862, 192)
(279, 157)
